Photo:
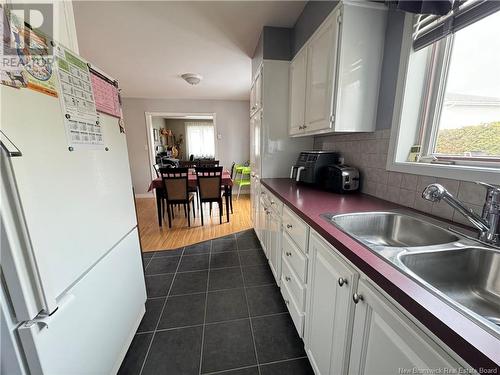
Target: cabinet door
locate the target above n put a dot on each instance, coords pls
(298, 92)
(254, 199)
(321, 67)
(385, 341)
(329, 310)
(258, 91)
(255, 143)
(252, 99)
(274, 246)
(263, 224)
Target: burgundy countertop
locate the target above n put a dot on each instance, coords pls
(475, 345)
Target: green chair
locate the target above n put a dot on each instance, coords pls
(244, 179)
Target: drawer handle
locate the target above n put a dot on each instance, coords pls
(287, 278)
(287, 302)
(356, 297)
(268, 212)
(288, 254)
(289, 226)
(342, 281)
(272, 202)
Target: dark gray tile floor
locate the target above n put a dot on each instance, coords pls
(214, 308)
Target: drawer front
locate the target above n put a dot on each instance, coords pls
(275, 204)
(295, 313)
(295, 258)
(296, 288)
(296, 228)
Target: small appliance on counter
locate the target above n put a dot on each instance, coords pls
(311, 164)
(323, 169)
(339, 179)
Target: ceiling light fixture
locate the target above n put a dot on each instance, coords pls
(192, 78)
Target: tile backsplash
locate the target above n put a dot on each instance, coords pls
(368, 153)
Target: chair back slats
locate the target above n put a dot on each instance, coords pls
(209, 182)
(175, 181)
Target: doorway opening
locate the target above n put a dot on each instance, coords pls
(180, 136)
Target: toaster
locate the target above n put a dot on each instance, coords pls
(339, 179)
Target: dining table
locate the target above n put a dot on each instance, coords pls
(157, 186)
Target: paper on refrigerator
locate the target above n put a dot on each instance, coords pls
(83, 129)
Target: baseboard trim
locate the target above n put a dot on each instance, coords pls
(145, 195)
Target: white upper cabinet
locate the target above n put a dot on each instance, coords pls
(321, 62)
(256, 93)
(384, 341)
(342, 72)
(298, 92)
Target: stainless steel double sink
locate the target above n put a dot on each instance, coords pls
(460, 270)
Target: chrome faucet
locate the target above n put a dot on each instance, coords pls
(488, 223)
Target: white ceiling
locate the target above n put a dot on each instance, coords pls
(148, 45)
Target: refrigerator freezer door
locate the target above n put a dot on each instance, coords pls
(96, 320)
(76, 205)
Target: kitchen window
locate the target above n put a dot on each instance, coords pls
(447, 115)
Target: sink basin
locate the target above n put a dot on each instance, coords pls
(468, 276)
(393, 229)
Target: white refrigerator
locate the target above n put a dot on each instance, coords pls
(72, 284)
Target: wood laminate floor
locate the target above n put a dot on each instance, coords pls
(155, 238)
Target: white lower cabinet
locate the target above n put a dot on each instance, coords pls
(347, 324)
(329, 311)
(384, 341)
(274, 244)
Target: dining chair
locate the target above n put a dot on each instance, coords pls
(210, 188)
(175, 182)
(229, 191)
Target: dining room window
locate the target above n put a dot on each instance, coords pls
(200, 137)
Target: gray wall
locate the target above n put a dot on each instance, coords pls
(311, 17)
(390, 66)
(277, 43)
(232, 122)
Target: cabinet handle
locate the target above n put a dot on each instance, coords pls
(356, 297)
(287, 302)
(268, 212)
(272, 202)
(289, 226)
(287, 278)
(288, 254)
(342, 281)
(300, 127)
(304, 126)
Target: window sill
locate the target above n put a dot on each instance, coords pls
(457, 172)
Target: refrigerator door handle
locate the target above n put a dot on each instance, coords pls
(9, 146)
(43, 319)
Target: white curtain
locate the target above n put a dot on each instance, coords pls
(200, 139)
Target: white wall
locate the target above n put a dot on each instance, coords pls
(232, 122)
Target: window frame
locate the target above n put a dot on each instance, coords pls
(463, 168)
